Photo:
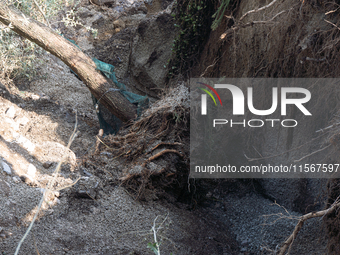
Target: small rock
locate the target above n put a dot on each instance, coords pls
(87, 187)
(117, 30)
(31, 171)
(87, 173)
(6, 168)
(28, 180)
(47, 165)
(119, 24)
(5, 188)
(10, 112)
(89, 194)
(4, 234)
(16, 179)
(26, 144)
(35, 97)
(23, 121)
(44, 97)
(245, 242)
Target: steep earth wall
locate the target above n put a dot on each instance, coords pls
(283, 39)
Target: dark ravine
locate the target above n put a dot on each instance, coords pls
(299, 43)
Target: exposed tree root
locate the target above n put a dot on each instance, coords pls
(153, 152)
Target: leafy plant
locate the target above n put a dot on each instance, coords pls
(219, 14)
(19, 56)
(190, 18)
(71, 20)
(154, 247)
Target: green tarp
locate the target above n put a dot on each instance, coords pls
(111, 124)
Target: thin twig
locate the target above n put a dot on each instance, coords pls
(31, 225)
(160, 154)
(251, 23)
(282, 153)
(42, 13)
(258, 9)
(332, 24)
(35, 245)
(291, 238)
(298, 160)
(213, 64)
(164, 143)
(155, 235)
(323, 129)
(67, 186)
(48, 189)
(98, 141)
(330, 12)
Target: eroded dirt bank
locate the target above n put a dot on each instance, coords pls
(284, 39)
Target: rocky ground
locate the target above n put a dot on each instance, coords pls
(97, 215)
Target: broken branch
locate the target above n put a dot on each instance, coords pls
(303, 218)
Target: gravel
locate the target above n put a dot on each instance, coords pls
(261, 226)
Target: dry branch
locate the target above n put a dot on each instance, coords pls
(282, 153)
(298, 160)
(49, 188)
(299, 225)
(98, 141)
(332, 24)
(161, 153)
(42, 13)
(79, 62)
(258, 9)
(163, 143)
(251, 23)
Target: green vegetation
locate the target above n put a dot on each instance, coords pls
(72, 20)
(193, 19)
(18, 55)
(219, 14)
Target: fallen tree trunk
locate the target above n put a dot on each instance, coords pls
(72, 56)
